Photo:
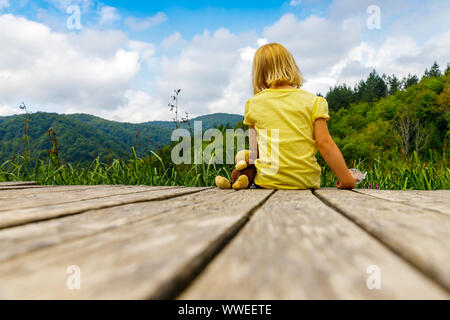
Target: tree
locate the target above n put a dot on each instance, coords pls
(421, 136)
(409, 81)
(434, 71)
(372, 89)
(339, 97)
(394, 84)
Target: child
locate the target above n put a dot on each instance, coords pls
(288, 126)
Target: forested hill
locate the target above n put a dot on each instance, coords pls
(387, 118)
(82, 137)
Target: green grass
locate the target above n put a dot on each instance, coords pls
(433, 174)
(412, 174)
(137, 171)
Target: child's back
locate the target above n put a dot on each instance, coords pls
(288, 126)
(288, 162)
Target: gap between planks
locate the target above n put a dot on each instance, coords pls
(138, 260)
(15, 218)
(171, 289)
(397, 233)
(44, 234)
(297, 247)
(18, 183)
(421, 199)
(46, 197)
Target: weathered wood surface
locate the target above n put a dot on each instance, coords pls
(19, 183)
(295, 247)
(30, 192)
(47, 196)
(150, 258)
(420, 236)
(32, 237)
(165, 242)
(15, 217)
(430, 200)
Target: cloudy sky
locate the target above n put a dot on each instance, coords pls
(124, 58)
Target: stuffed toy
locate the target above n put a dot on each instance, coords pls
(243, 174)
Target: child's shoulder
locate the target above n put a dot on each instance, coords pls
(300, 93)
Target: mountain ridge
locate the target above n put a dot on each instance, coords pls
(83, 137)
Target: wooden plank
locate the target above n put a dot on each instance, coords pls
(151, 258)
(295, 247)
(431, 200)
(2, 189)
(23, 193)
(37, 199)
(36, 236)
(17, 217)
(420, 236)
(17, 183)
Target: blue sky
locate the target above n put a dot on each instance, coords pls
(188, 16)
(129, 55)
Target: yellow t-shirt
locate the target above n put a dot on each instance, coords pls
(284, 122)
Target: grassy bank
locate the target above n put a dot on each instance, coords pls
(413, 173)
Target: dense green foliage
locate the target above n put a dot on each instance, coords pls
(82, 138)
(368, 120)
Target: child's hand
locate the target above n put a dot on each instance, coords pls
(345, 186)
(349, 184)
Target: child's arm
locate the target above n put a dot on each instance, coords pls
(332, 155)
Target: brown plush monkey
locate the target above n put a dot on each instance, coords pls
(243, 174)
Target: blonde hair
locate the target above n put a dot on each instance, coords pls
(274, 65)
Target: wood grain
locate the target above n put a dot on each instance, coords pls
(41, 199)
(431, 200)
(17, 183)
(150, 258)
(17, 217)
(2, 189)
(295, 247)
(20, 193)
(421, 236)
(36, 236)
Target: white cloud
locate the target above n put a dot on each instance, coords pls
(294, 3)
(315, 42)
(146, 51)
(6, 110)
(46, 68)
(4, 4)
(210, 71)
(174, 42)
(108, 16)
(397, 55)
(136, 24)
(64, 4)
(138, 107)
(98, 43)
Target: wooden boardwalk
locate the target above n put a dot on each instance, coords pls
(139, 242)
